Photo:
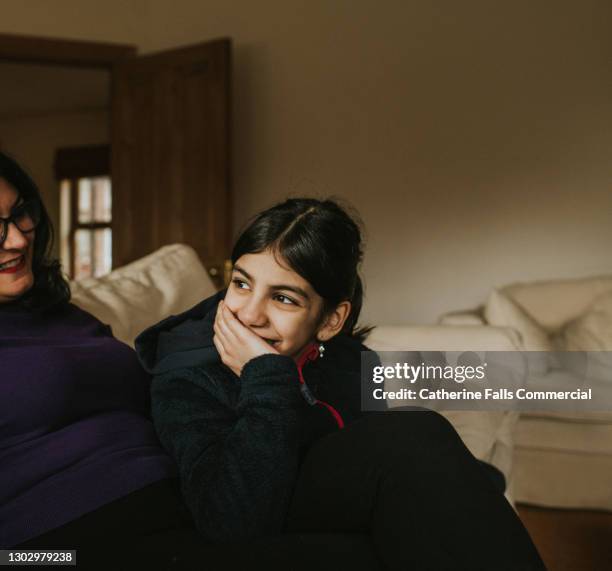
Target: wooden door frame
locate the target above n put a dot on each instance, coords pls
(57, 51)
(41, 50)
(38, 50)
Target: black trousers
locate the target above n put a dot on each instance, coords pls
(407, 480)
(391, 491)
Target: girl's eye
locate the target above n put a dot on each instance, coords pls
(241, 284)
(287, 300)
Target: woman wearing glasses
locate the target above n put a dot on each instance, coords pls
(80, 462)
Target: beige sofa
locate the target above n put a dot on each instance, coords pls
(560, 459)
(173, 279)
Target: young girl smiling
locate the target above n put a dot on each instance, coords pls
(256, 394)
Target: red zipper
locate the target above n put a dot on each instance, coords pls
(310, 354)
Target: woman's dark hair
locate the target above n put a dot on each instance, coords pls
(321, 242)
(50, 289)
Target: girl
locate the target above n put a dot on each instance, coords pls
(256, 394)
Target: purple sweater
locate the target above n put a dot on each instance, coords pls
(75, 432)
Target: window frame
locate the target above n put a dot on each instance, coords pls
(71, 165)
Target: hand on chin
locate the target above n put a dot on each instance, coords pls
(237, 344)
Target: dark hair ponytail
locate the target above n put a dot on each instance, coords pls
(321, 242)
(50, 289)
(350, 325)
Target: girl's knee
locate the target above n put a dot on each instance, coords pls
(409, 433)
(412, 421)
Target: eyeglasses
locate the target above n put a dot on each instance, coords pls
(26, 216)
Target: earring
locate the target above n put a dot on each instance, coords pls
(321, 350)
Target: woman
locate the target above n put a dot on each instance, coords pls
(256, 394)
(80, 464)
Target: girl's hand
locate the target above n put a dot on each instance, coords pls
(236, 343)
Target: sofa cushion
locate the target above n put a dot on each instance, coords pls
(560, 479)
(500, 310)
(564, 459)
(583, 433)
(593, 330)
(136, 296)
(553, 303)
(590, 334)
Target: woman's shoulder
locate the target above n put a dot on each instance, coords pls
(65, 313)
(74, 317)
(66, 321)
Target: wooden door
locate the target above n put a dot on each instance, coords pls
(170, 153)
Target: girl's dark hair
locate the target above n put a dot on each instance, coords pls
(321, 242)
(50, 289)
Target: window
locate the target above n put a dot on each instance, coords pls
(85, 211)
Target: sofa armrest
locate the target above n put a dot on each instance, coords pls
(465, 317)
(443, 338)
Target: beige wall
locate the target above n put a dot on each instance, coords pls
(33, 140)
(121, 21)
(474, 137)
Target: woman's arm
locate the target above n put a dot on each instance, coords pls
(236, 443)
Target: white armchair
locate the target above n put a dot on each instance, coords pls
(560, 459)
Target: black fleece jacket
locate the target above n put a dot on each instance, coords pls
(238, 441)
